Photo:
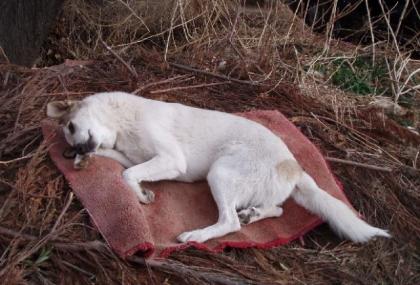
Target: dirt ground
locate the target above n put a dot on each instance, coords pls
(46, 237)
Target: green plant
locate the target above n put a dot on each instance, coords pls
(43, 256)
(359, 75)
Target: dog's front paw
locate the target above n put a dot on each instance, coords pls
(81, 161)
(197, 236)
(147, 196)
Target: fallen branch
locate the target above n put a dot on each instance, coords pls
(60, 244)
(359, 164)
(141, 88)
(126, 65)
(188, 87)
(224, 77)
(16, 159)
(14, 234)
(82, 246)
(177, 268)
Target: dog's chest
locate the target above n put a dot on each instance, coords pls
(135, 148)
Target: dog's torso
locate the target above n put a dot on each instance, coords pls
(199, 137)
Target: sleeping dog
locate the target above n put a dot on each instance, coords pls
(250, 171)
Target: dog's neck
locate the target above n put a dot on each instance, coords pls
(116, 117)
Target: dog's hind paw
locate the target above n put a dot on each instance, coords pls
(246, 216)
(197, 236)
(253, 214)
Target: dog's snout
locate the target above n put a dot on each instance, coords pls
(83, 148)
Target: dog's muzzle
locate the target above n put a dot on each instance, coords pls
(83, 148)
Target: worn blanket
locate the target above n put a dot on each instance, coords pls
(132, 228)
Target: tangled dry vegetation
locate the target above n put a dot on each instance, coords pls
(218, 56)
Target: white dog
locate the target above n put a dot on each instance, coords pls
(251, 172)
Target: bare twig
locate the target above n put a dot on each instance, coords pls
(126, 65)
(60, 217)
(188, 87)
(16, 159)
(227, 78)
(141, 88)
(134, 14)
(57, 243)
(359, 164)
(77, 268)
(171, 30)
(3, 54)
(372, 35)
(11, 233)
(82, 246)
(67, 93)
(184, 270)
(156, 35)
(403, 13)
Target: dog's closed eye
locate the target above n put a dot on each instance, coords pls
(71, 127)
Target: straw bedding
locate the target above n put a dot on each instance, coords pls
(46, 236)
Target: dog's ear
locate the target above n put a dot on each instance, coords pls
(58, 109)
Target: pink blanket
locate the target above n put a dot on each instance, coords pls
(130, 227)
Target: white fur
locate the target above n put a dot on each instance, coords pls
(251, 172)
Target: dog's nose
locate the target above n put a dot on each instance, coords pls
(83, 148)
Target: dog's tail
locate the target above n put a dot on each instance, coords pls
(340, 217)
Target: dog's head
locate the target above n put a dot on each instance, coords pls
(81, 124)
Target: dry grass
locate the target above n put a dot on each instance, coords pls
(45, 234)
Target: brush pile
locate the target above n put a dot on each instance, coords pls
(233, 60)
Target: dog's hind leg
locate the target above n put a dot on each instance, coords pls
(221, 182)
(288, 172)
(253, 214)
